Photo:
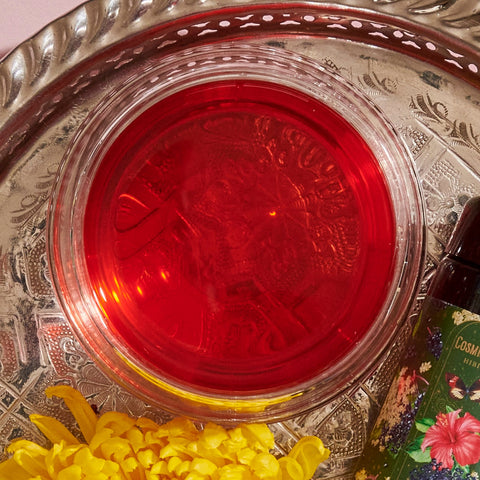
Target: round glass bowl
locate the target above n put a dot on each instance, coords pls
(236, 234)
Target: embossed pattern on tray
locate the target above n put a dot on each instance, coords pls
(420, 66)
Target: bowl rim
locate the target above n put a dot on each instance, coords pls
(212, 405)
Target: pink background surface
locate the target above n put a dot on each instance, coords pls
(19, 19)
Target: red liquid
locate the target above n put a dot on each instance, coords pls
(239, 236)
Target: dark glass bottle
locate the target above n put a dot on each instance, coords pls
(457, 280)
(429, 425)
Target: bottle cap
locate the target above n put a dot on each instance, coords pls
(465, 241)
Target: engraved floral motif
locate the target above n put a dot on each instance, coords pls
(376, 84)
(435, 115)
(445, 195)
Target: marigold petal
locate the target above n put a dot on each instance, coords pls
(216, 455)
(100, 437)
(203, 466)
(136, 439)
(309, 452)
(90, 464)
(32, 447)
(151, 476)
(195, 476)
(183, 467)
(236, 440)
(78, 405)
(30, 456)
(258, 435)
(116, 449)
(213, 435)
(54, 430)
(72, 472)
(160, 468)
(178, 427)
(110, 469)
(265, 466)
(147, 458)
(291, 469)
(234, 472)
(95, 476)
(173, 463)
(168, 451)
(132, 469)
(246, 455)
(147, 424)
(118, 422)
(11, 470)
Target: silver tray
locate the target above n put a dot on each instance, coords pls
(418, 60)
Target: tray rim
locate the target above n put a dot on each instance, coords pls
(62, 44)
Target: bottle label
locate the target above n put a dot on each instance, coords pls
(429, 425)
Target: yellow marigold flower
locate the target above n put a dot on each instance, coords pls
(119, 447)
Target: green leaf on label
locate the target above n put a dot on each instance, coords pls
(449, 409)
(424, 424)
(415, 451)
(421, 456)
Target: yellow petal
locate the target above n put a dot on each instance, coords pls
(78, 405)
(213, 435)
(95, 476)
(309, 452)
(173, 463)
(73, 472)
(118, 422)
(110, 468)
(136, 439)
(195, 476)
(116, 449)
(54, 430)
(147, 424)
(90, 464)
(152, 476)
(169, 450)
(99, 438)
(179, 427)
(60, 456)
(160, 468)
(234, 472)
(235, 442)
(265, 466)
(259, 436)
(32, 447)
(291, 469)
(183, 467)
(246, 455)
(30, 456)
(11, 470)
(132, 469)
(203, 466)
(147, 458)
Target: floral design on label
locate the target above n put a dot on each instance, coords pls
(429, 426)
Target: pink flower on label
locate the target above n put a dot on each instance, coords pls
(454, 437)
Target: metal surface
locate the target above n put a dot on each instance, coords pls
(417, 60)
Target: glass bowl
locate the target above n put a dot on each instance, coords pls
(236, 233)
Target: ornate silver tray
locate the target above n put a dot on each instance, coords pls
(418, 60)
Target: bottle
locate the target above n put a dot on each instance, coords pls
(429, 425)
